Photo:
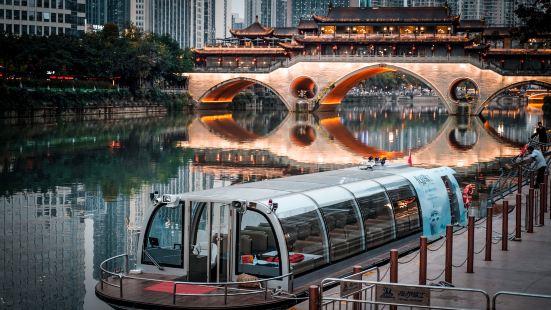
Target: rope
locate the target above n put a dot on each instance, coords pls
(439, 247)
(459, 234)
(385, 273)
(416, 254)
(460, 265)
(480, 250)
(437, 276)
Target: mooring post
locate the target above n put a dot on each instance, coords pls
(470, 244)
(518, 217)
(422, 260)
(531, 179)
(393, 270)
(489, 224)
(545, 190)
(543, 199)
(530, 225)
(358, 295)
(394, 266)
(313, 297)
(519, 180)
(449, 253)
(505, 225)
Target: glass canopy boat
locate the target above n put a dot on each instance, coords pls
(280, 232)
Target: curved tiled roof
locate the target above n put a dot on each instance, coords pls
(387, 14)
(254, 30)
(285, 31)
(307, 24)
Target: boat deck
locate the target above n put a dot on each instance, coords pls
(135, 294)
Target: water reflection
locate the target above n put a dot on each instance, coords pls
(74, 193)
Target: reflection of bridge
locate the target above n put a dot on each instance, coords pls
(329, 142)
(330, 78)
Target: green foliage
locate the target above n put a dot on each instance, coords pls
(536, 16)
(136, 59)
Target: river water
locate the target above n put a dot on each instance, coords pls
(73, 192)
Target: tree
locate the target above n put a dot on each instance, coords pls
(536, 17)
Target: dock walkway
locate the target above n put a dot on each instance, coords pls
(524, 268)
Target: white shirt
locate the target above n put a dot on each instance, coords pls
(540, 160)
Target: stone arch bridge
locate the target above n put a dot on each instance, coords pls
(325, 80)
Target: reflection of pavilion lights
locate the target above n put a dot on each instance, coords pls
(391, 137)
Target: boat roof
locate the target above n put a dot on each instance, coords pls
(272, 188)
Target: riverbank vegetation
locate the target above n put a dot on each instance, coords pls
(105, 66)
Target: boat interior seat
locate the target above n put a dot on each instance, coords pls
(259, 239)
(269, 233)
(245, 245)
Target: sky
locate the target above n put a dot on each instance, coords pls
(238, 6)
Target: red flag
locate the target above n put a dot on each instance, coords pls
(410, 162)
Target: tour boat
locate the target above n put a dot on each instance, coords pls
(261, 244)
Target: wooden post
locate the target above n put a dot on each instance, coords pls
(531, 179)
(518, 217)
(505, 225)
(394, 266)
(422, 260)
(545, 190)
(489, 224)
(530, 226)
(542, 205)
(470, 245)
(393, 271)
(519, 180)
(358, 295)
(449, 253)
(313, 297)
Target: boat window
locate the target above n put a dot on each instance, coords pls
(302, 226)
(404, 203)
(452, 197)
(342, 221)
(163, 240)
(376, 212)
(258, 249)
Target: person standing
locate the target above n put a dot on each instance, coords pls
(541, 132)
(541, 164)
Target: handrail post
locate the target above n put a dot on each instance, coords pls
(313, 297)
(505, 225)
(358, 295)
(545, 189)
(470, 244)
(120, 284)
(225, 294)
(489, 222)
(422, 260)
(518, 217)
(530, 226)
(265, 290)
(174, 294)
(543, 199)
(449, 253)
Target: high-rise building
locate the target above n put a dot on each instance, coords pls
(100, 12)
(304, 9)
(42, 17)
(138, 14)
(270, 13)
(237, 22)
(182, 20)
(223, 18)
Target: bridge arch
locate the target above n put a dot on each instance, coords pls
(501, 90)
(337, 91)
(222, 94)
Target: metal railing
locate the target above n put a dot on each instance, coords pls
(354, 293)
(507, 182)
(229, 288)
(344, 303)
(347, 58)
(522, 295)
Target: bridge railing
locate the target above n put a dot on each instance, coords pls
(346, 58)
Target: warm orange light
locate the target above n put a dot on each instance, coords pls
(226, 92)
(337, 94)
